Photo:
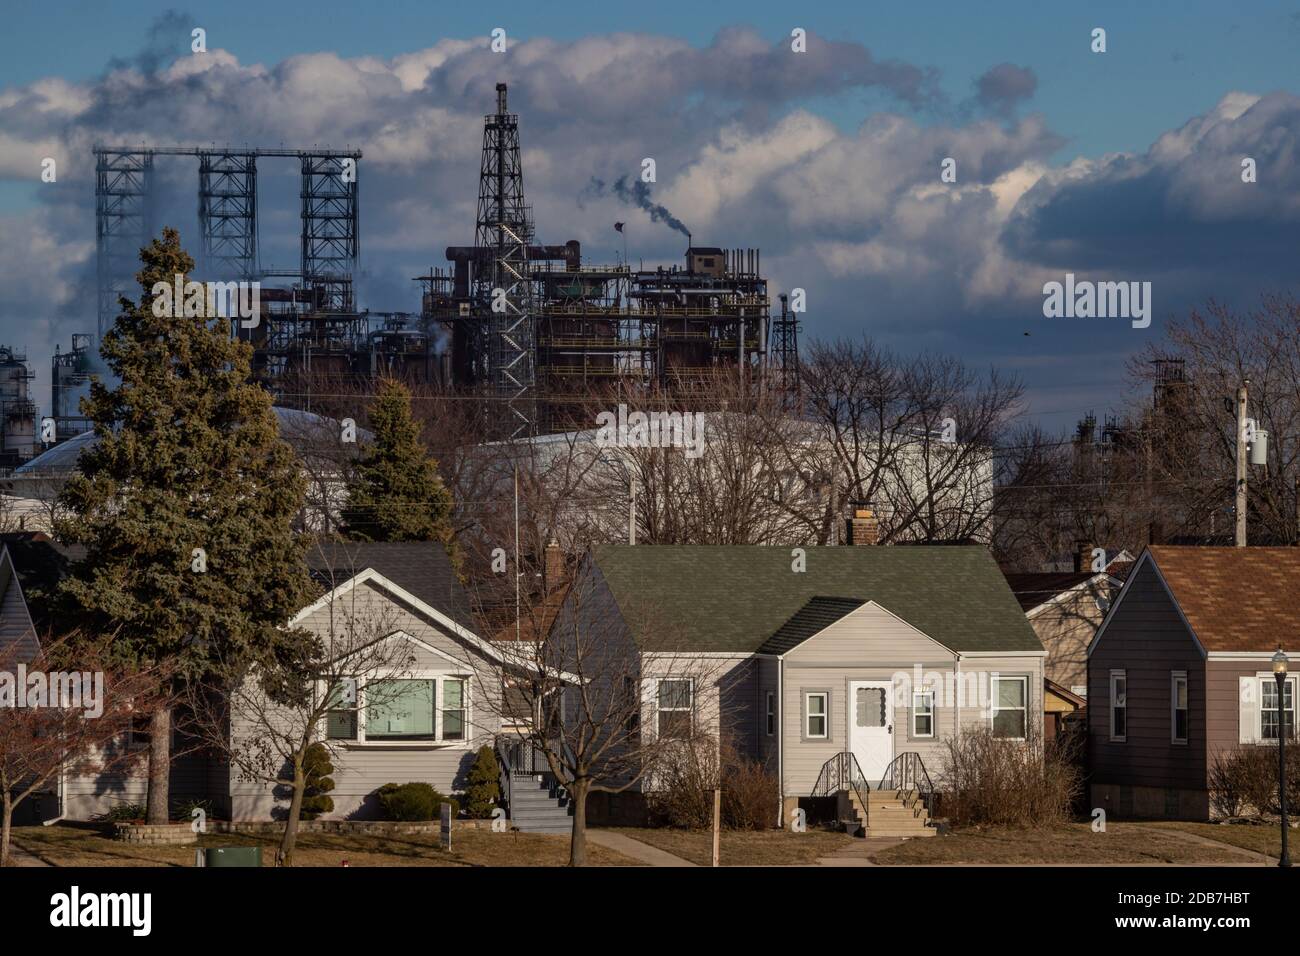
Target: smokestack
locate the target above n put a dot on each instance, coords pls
(863, 528)
(501, 99)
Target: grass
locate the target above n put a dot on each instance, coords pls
(66, 845)
(1071, 844)
(1261, 838)
(743, 847)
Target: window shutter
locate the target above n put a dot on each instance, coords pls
(1248, 710)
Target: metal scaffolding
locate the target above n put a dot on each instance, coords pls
(123, 224)
(228, 213)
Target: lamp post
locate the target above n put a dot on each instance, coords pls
(1279, 674)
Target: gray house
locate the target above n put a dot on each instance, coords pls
(844, 669)
(432, 718)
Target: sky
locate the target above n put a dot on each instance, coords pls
(1123, 165)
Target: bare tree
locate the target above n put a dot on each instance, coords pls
(73, 710)
(265, 720)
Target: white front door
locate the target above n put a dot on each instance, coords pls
(871, 727)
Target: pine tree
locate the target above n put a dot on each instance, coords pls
(185, 505)
(396, 493)
(316, 768)
(483, 784)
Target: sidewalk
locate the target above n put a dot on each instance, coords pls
(644, 852)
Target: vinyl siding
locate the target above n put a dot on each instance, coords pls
(361, 768)
(1066, 628)
(1146, 638)
(872, 644)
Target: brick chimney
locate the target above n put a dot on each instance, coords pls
(553, 565)
(1082, 556)
(863, 528)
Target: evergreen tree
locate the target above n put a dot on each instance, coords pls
(185, 505)
(483, 784)
(396, 493)
(316, 768)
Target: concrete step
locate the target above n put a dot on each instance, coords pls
(876, 832)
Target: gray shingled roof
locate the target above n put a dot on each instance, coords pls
(814, 617)
(422, 568)
(734, 598)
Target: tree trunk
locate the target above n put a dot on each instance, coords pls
(578, 842)
(160, 766)
(284, 856)
(6, 828)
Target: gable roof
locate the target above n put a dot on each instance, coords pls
(1037, 587)
(1234, 599)
(814, 617)
(420, 568)
(733, 598)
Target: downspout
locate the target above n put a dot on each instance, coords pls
(60, 796)
(956, 720)
(780, 739)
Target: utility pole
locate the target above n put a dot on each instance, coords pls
(631, 510)
(1241, 462)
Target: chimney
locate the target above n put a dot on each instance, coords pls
(1082, 556)
(553, 565)
(863, 528)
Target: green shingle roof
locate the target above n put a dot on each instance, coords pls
(734, 598)
(815, 616)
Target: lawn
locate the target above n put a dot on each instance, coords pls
(84, 846)
(1069, 845)
(1265, 839)
(743, 847)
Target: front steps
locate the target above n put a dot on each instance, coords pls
(890, 813)
(534, 809)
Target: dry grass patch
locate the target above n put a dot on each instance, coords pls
(1070, 844)
(85, 846)
(743, 847)
(1262, 838)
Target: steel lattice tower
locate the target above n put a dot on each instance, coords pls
(123, 224)
(784, 347)
(228, 213)
(502, 290)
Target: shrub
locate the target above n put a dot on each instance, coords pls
(1243, 781)
(123, 813)
(483, 786)
(750, 794)
(183, 808)
(682, 795)
(682, 788)
(990, 781)
(316, 768)
(412, 802)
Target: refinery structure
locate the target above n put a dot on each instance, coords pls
(527, 326)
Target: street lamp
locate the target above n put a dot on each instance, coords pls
(1279, 674)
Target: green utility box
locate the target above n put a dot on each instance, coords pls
(232, 856)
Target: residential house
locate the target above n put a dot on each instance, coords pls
(1179, 673)
(838, 667)
(427, 729)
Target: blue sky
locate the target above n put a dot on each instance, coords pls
(1123, 162)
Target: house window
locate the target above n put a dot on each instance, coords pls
(815, 706)
(923, 714)
(400, 710)
(1178, 707)
(1118, 706)
(1010, 707)
(675, 708)
(1268, 710)
(453, 708)
(771, 713)
(341, 718)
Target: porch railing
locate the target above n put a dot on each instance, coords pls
(842, 773)
(907, 773)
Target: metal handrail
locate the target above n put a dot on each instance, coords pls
(842, 772)
(907, 772)
(504, 775)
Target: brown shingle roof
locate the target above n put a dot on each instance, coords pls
(1236, 599)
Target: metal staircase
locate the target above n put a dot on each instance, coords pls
(535, 801)
(899, 805)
